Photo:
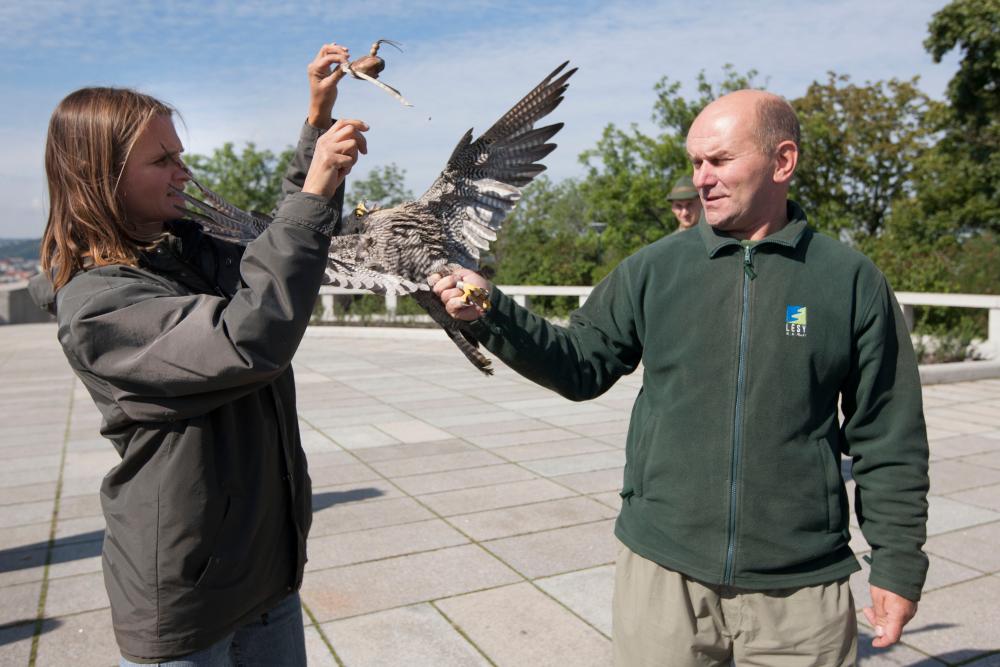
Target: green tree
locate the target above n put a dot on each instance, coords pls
(859, 148)
(630, 173)
(965, 179)
(385, 186)
(250, 179)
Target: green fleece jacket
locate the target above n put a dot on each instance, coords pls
(732, 471)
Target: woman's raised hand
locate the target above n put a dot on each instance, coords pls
(336, 152)
(323, 82)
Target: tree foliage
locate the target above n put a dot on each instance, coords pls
(630, 173)
(859, 148)
(385, 186)
(250, 179)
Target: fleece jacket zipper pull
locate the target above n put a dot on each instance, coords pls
(748, 261)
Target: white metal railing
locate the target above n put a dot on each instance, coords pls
(522, 295)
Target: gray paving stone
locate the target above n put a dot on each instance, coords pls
(15, 644)
(352, 516)
(492, 440)
(413, 450)
(49, 473)
(357, 437)
(452, 480)
(77, 507)
(21, 566)
(71, 595)
(962, 445)
(20, 603)
(84, 486)
(82, 529)
(412, 430)
(342, 474)
(494, 496)
(565, 465)
(359, 589)
(81, 640)
(988, 459)
(317, 652)
(950, 476)
(90, 464)
(416, 636)
(437, 463)
(987, 497)
(974, 547)
(27, 513)
(550, 449)
(334, 457)
(560, 550)
(31, 536)
(594, 481)
(609, 498)
(945, 515)
(519, 625)
(494, 422)
(894, 656)
(959, 622)
(532, 518)
(14, 495)
(588, 593)
(376, 543)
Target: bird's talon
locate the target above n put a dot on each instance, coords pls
(474, 295)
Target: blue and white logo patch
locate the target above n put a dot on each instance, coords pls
(795, 320)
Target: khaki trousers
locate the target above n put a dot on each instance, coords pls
(664, 619)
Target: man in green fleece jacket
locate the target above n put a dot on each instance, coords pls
(734, 513)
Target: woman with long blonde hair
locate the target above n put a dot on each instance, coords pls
(185, 342)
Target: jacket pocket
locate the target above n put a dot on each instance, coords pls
(636, 455)
(217, 572)
(836, 497)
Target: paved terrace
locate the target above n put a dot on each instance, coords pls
(459, 520)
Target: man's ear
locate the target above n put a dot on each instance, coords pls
(786, 159)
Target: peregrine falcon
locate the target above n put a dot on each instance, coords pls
(395, 249)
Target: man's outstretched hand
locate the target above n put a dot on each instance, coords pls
(454, 298)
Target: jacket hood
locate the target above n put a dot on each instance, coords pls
(42, 293)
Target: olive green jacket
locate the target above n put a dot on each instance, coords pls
(733, 471)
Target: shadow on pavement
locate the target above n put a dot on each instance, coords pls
(64, 550)
(25, 629)
(330, 498)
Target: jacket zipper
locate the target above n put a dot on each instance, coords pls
(748, 275)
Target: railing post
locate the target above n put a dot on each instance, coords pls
(521, 300)
(582, 300)
(328, 312)
(908, 316)
(390, 304)
(993, 333)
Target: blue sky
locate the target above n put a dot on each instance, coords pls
(236, 70)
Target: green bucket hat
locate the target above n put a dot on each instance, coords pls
(683, 189)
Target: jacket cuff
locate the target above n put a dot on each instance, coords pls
(311, 211)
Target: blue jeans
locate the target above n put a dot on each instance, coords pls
(277, 642)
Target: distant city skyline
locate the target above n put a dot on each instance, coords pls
(236, 70)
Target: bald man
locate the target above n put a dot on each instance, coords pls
(734, 515)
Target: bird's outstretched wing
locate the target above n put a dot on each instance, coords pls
(221, 219)
(481, 183)
(395, 249)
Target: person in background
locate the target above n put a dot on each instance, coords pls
(685, 203)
